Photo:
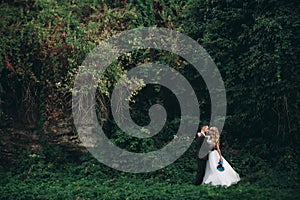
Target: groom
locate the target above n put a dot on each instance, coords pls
(201, 154)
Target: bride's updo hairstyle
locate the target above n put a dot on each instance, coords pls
(214, 134)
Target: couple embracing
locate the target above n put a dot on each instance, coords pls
(212, 168)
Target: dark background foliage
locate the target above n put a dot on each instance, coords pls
(254, 43)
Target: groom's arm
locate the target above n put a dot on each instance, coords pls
(198, 135)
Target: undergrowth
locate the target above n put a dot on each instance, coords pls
(38, 178)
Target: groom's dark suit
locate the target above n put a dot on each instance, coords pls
(202, 158)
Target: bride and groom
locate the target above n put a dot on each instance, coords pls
(212, 168)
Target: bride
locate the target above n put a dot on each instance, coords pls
(218, 171)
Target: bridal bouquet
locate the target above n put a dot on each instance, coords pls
(220, 166)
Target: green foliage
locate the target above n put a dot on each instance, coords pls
(253, 44)
(39, 177)
(44, 43)
(41, 51)
(91, 180)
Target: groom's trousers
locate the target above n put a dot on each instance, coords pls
(201, 165)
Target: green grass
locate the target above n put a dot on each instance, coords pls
(90, 181)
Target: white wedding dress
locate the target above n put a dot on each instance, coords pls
(215, 177)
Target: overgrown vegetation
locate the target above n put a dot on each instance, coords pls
(35, 178)
(254, 44)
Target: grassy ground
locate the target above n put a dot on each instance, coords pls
(82, 182)
(52, 176)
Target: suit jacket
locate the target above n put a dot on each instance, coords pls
(203, 147)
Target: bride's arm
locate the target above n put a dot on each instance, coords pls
(219, 151)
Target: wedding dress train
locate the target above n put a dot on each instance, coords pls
(215, 177)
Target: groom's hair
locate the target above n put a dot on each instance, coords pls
(203, 126)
